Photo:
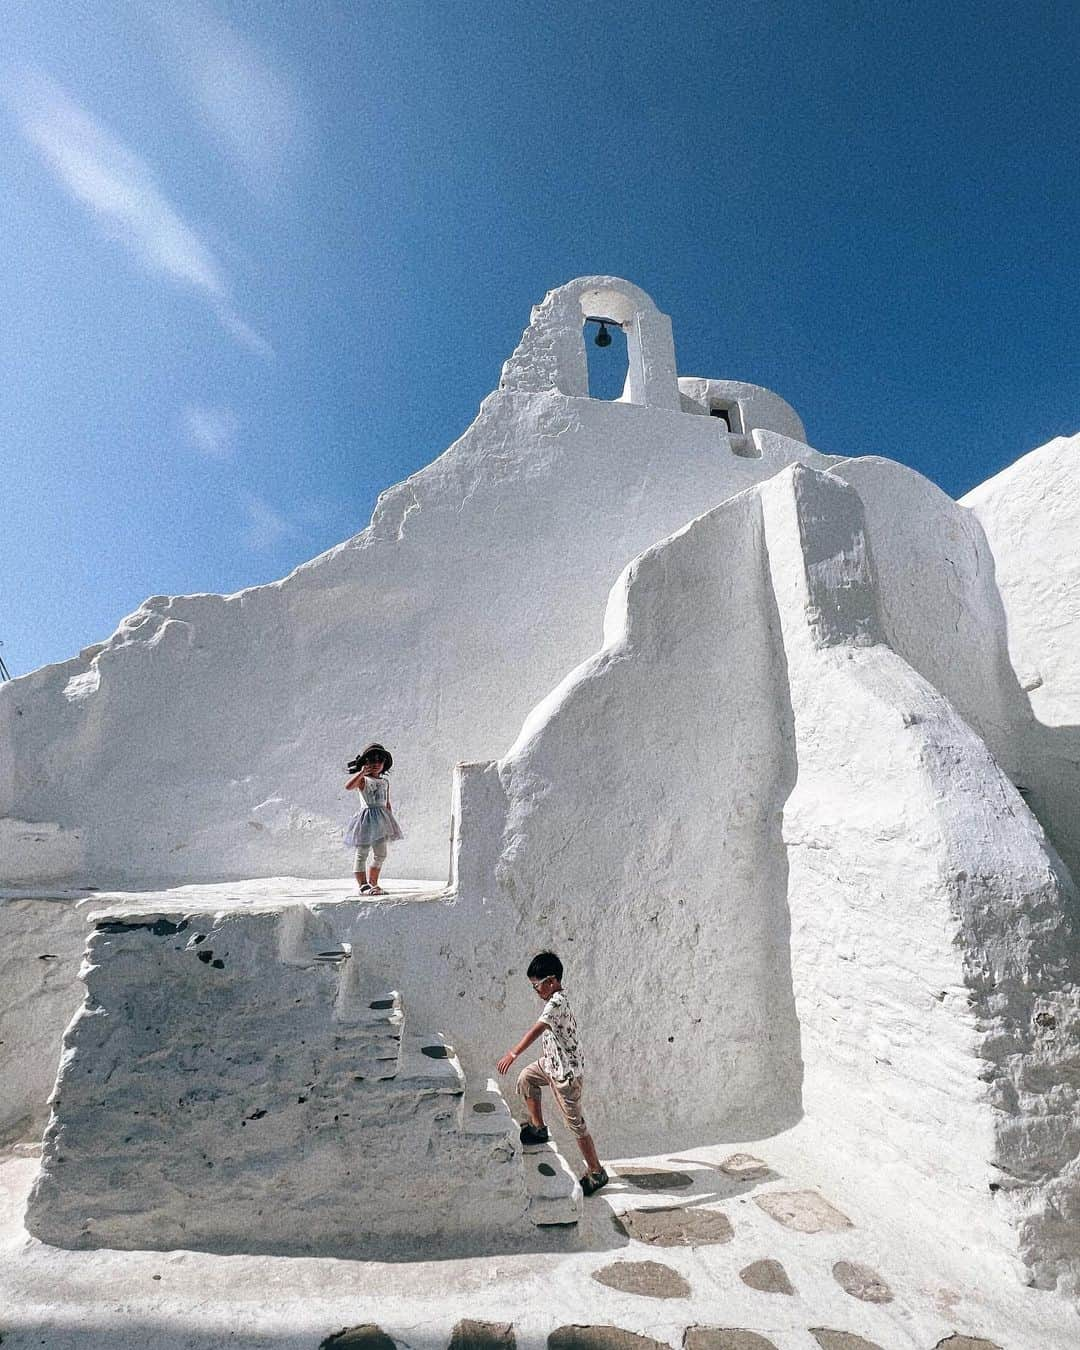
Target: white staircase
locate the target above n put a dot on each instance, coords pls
(229, 1086)
(553, 1190)
(426, 1064)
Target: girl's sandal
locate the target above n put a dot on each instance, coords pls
(365, 888)
(375, 890)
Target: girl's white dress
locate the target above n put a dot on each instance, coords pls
(376, 821)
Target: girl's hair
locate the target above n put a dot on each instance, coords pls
(373, 752)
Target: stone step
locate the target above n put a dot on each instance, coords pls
(554, 1192)
(427, 1064)
(368, 1029)
(484, 1111)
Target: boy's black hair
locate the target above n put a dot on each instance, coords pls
(543, 965)
(373, 752)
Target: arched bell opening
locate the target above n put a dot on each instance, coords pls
(556, 349)
(606, 357)
(611, 332)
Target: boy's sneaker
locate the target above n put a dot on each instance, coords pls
(530, 1134)
(591, 1182)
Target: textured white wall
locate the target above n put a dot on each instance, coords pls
(1029, 513)
(635, 828)
(758, 408)
(936, 599)
(931, 952)
(934, 965)
(207, 738)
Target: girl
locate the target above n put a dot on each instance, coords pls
(374, 826)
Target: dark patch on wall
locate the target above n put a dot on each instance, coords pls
(159, 928)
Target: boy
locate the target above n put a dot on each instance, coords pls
(561, 1066)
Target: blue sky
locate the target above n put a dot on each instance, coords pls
(260, 261)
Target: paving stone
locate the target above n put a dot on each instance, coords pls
(745, 1167)
(804, 1211)
(676, 1226)
(650, 1279)
(724, 1338)
(469, 1335)
(769, 1276)
(365, 1337)
(653, 1179)
(861, 1282)
(600, 1338)
(841, 1340)
(958, 1342)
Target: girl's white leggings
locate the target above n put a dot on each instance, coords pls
(378, 854)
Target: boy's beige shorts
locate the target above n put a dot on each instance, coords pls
(567, 1096)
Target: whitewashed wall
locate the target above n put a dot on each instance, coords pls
(207, 737)
(934, 963)
(635, 828)
(785, 876)
(931, 963)
(1029, 513)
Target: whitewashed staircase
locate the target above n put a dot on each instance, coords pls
(229, 1086)
(427, 1064)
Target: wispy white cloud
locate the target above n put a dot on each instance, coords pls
(244, 333)
(265, 526)
(250, 108)
(213, 431)
(120, 191)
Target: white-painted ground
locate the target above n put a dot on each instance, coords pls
(182, 1300)
(209, 897)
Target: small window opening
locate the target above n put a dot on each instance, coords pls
(607, 359)
(729, 414)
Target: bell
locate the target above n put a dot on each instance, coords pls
(603, 338)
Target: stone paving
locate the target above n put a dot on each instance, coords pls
(754, 1258)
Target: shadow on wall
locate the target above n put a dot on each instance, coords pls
(1049, 782)
(1045, 759)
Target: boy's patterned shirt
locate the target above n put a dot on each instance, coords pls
(562, 1058)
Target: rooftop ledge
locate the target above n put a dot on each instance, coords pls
(256, 895)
